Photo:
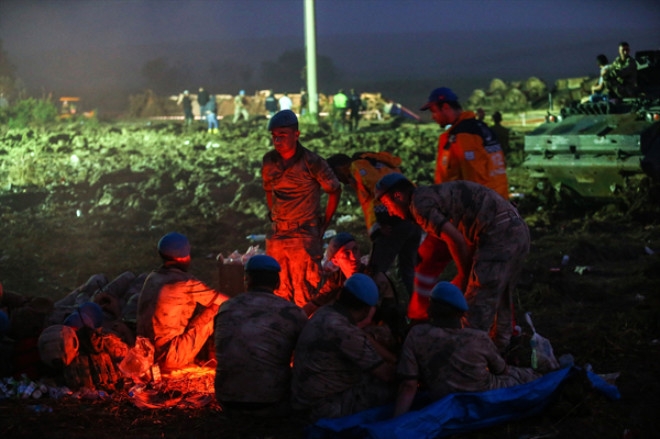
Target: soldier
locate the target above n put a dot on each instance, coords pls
(338, 369)
(343, 252)
(485, 235)
(441, 357)
(621, 75)
(255, 333)
(293, 179)
(467, 150)
(392, 239)
(167, 308)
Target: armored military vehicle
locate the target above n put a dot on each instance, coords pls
(597, 149)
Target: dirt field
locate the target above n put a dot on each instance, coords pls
(64, 220)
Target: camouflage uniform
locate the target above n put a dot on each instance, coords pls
(468, 150)
(166, 315)
(621, 77)
(448, 360)
(499, 241)
(255, 333)
(331, 368)
(296, 241)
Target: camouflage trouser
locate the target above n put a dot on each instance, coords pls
(300, 259)
(513, 377)
(368, 393)
(497, 264)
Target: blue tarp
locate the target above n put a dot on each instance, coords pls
(455, 413)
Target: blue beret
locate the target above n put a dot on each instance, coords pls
(337, 242)
(282, 119)
(387, 182)
(4, 323)
(174, 245)
(262, 262)
(450, 294)
(363, 287)
(440, 95)
(89, 314)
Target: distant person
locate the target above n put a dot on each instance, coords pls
(485, 236)
(255, 333)
(480, 114)
(338, 369)
(294, 179)
(202, 100)
(441, 357)
(339, 105)
(356, 105)
(240, 110)
(621, 76)
(501, 132)
(175, 309)
(271, 104)
(467, 150)
(212, 115)
(304, 101)
(599, 90)
(285, 102)
(186, 104)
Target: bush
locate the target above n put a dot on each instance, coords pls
(29, 112)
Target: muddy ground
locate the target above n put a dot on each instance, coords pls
(78, 200)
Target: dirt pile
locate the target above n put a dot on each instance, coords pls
(78, 200)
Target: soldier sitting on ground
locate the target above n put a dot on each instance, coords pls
(442, 357)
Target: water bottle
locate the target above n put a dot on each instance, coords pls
(535, 358)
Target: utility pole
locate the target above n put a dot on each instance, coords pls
(310, 54)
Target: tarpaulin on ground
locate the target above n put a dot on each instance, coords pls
(455, 413)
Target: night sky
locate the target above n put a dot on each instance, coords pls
(99, 47)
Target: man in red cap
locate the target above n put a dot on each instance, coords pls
(467, 150)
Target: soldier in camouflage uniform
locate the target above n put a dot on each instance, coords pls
(255, 333)
(294, 179)
(487, 238)
(338, 369)
(441, 357)
(175, 309)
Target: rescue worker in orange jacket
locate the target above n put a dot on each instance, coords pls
(467, 150)
(166, 308)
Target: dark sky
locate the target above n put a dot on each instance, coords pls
(75, 46)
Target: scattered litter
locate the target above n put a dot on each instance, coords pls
(610, 378)
(655, 342)
(565, 259)
(581, 269)
(649, 250)
(640, 297)
(345, 219)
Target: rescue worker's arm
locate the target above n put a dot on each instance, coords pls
(405, 396)
(460, 253)
(333, 202)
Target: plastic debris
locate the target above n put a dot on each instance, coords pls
(581, 269)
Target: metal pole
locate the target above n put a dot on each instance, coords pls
(310, 51)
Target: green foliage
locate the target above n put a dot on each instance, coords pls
(30, 112)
